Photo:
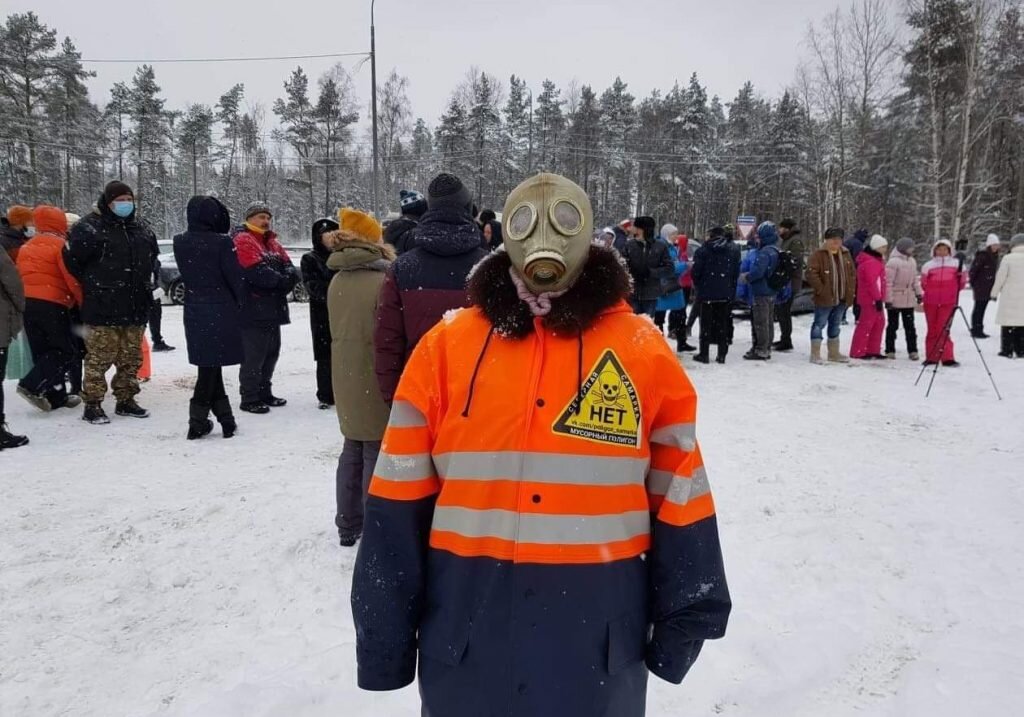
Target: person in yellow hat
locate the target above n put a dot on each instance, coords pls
(360, 258)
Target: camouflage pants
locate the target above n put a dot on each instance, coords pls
(106, 346)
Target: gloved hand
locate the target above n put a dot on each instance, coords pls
(879, 306)
(920, 300)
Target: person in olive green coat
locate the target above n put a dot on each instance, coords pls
(360, 258)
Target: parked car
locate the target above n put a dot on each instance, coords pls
(174, 287)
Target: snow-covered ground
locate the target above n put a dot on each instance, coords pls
(873, 542)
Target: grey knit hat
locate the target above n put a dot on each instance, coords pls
(1016, 241)
(257, 208)
(905, 246)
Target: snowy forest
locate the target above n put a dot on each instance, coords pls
(908, 124)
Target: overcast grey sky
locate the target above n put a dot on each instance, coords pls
(650, 43)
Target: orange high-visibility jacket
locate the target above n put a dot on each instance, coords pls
(538, 504)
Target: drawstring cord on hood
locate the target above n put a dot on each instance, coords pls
(476, 372)
(579, 374)
(577, 405)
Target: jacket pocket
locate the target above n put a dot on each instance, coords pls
(444, 639)
(627, 641)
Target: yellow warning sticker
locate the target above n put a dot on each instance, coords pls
(608, 409)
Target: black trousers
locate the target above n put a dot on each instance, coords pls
(209, 386)
(262, 347)
(784, 315)
(715, 325)
(893, 326)
(324, 382)
(48, 329)
(3, 375)
(156, 318)
(978, 315)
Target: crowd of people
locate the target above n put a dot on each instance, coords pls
(553, 401)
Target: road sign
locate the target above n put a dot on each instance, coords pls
(744, 226)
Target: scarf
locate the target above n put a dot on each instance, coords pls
(540, 304)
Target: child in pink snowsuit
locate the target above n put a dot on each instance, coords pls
(941, 280)
(871, 297)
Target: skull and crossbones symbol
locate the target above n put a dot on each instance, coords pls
(609, 389)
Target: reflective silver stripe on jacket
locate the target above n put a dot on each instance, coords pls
(542, 529)
(678, 489)
(418, 466)
(680, 435)
(406, 415)
(556, 468)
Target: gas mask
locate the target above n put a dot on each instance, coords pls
(548, 222)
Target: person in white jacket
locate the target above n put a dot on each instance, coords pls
(1009, 292)
(903, 294)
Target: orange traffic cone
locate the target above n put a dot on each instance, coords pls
(146, 371)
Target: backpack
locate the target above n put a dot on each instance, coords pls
(786, 268)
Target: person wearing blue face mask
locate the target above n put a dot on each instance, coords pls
(113, 254)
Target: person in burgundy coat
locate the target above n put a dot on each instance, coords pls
(428, 281)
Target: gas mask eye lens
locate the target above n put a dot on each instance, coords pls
(566, 218)
(524, 219)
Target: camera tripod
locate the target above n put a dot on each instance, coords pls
(945, 341)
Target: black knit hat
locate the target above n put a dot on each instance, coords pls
(412, 202)
(790, 224)
(647, 225)
(257, 208)
(834, 233)
(448, 190)
(115, 189)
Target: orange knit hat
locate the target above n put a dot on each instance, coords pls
(360, 225)
(50, 220)
(19, 216)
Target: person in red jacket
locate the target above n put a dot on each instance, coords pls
(50, 294)
(268, 277)
(540, 533)
(942, 280)
(871, 297)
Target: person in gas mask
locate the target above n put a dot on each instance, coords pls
(113, 254)
(540, 460)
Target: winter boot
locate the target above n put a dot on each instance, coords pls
(95, 415)
(162, 346)
(723, 351)
(890, 355)
(834, 354)
(130, 409)
(782, 346)
(37, 400)
(199, 423)
(8, 439)
(1018, 341)
(816, 352)
(1006, 341)
(256, 407)
(274, 402)
(705, 349)
(72, 401)
(226, 419)
(915, 356)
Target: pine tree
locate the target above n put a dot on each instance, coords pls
(299, 128)
(26, 76)
(74, 119)
(550, 127)
(229, 113)
(453, 140)
(195, 139)
(149, 130)
(619, 121)
(483, 125)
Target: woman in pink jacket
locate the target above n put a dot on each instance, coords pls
(942, 280)
(871, 293)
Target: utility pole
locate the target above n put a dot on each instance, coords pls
(529, 161)
(373, 82)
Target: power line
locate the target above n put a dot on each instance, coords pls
(202, 60)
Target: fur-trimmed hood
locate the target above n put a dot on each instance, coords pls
(350, 252)
(603, 284)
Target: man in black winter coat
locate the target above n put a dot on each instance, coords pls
(317, 277)
(715, 273)
(983, 278)
(113, 254)
(401, 233)
(650, 265)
